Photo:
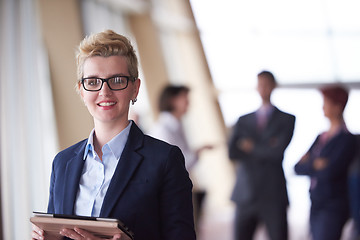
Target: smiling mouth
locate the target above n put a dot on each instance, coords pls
(106, 104)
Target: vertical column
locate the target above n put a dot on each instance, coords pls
(171, 51)
(151, 56)
(205, 123)
(62, 31)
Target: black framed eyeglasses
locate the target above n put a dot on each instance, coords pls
(115, 83)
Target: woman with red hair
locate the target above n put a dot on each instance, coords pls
(327, 162)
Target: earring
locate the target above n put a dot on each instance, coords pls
(133, 101)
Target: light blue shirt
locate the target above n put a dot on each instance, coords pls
(97, 174)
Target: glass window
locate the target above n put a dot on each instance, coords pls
(301, 42)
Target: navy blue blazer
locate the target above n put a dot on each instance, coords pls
(260, 176)
(330, 185)
(150, 191)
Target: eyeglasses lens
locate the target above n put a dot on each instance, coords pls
(115, 83)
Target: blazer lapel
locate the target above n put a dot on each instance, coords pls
(252, 122)
(126, 167)
(73, 173)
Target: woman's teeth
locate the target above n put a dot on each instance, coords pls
(104, 104)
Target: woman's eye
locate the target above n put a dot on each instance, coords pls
(93, 82)
(118, 80)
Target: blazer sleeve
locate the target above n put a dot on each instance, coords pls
(271, 149)
(304, 167)
(176, 209)
(267, 149)
(338, 156)
(239, 131)
(51, 208)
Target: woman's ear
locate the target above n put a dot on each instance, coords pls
(78, 88)
(137, 84)
(81, 92)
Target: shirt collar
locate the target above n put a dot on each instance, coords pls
(89, 145)
(266, 109)
(116, 144)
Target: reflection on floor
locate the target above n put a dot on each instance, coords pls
(218, 225)
(217, 222)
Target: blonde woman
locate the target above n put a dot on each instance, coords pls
(119, 172)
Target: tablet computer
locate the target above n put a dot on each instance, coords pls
(100, 227)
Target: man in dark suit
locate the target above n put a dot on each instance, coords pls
(257, 144)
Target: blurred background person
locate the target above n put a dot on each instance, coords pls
(173, 105)
(354, 192)
(327, 163)
(257, 144)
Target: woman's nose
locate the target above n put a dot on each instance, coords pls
(105, 90)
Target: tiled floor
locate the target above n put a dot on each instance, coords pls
(218, 226)
(216, 223)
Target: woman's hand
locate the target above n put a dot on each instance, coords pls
(320, 163)
(305, 158)
(37, 233)
(203, 148)
(78, 234)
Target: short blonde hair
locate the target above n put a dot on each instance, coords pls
(106, 44)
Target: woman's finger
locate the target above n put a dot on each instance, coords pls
(70, 233)
(83, 233)
(35, 235)
(37, 232)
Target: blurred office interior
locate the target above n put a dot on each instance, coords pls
(214, 47)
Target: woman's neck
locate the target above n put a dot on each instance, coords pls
(178, 115)
(105, 132)
(335, 125)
